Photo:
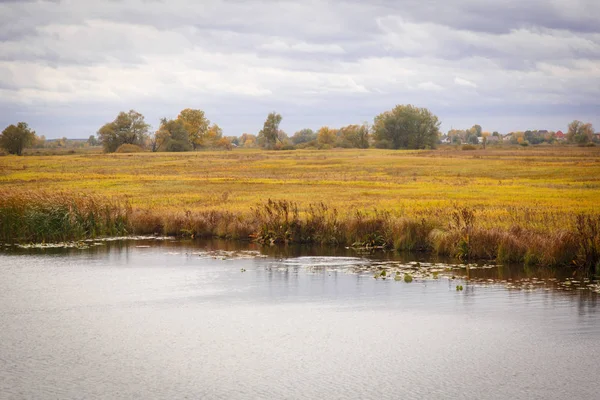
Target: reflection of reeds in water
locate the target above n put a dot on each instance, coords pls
(47, 217)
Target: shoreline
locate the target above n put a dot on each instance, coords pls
(460, 234)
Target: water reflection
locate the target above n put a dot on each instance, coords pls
(214, 319)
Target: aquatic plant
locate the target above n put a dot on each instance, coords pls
(408, 278)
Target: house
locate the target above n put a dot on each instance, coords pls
(560, 136)
(508, 137)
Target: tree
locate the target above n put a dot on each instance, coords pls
(248, 140)
(476, 129)
(267, 137)
(406, 127)
(485, 136)
(39, 142)
(127, 128)
(214, 133)
(197, 126)
(15, 138)
(326, 137)
(580, 133)
(304, 136)
(356, 136)
(92, 141)
(224, 143)
(172, 136)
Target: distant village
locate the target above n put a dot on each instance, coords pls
(475, 136)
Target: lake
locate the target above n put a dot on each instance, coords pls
(161, 319)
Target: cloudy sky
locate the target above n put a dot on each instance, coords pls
(67, 67)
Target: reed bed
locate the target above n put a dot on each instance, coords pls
(59, 217)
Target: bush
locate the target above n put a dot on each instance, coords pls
(129, 148)
(468, 147)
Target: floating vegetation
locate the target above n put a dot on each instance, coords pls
(482, 275)
(86, 243)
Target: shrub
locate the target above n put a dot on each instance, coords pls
(468, 147)
(129, 148)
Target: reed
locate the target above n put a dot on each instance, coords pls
(59, 216)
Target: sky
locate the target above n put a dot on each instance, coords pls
(68, 67)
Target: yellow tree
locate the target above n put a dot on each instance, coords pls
(326, 136)
(213, 135)
(196, 124)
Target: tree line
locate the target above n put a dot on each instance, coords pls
(403, 127)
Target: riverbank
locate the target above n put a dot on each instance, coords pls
(59, 217)
(534, 205)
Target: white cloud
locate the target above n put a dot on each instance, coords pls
(464, 82)
(430, 86)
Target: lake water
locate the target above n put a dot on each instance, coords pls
(172, 320)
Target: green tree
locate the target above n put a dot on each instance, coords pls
(92, 141)
(304, 136)
(172, 136)
(406, 127)
(197, 126)
(15, 138)
(268, 135)
(580, 133)
(127, 128)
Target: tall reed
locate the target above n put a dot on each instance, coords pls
(57, 217)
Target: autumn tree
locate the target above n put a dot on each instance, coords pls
(127, 128)
(580, 133)
(355, 136)
(247, 140)
(326, 137)
(39, 142)
(224, 143)
(406, 127)
(15, 138)
(197, 126)
(214, 133)
(172, 136)
(268, 135)
(476, 130)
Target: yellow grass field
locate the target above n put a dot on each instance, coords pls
(564, 180)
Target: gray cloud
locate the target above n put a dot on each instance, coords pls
(66, 67)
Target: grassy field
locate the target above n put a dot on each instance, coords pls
(538, 189)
